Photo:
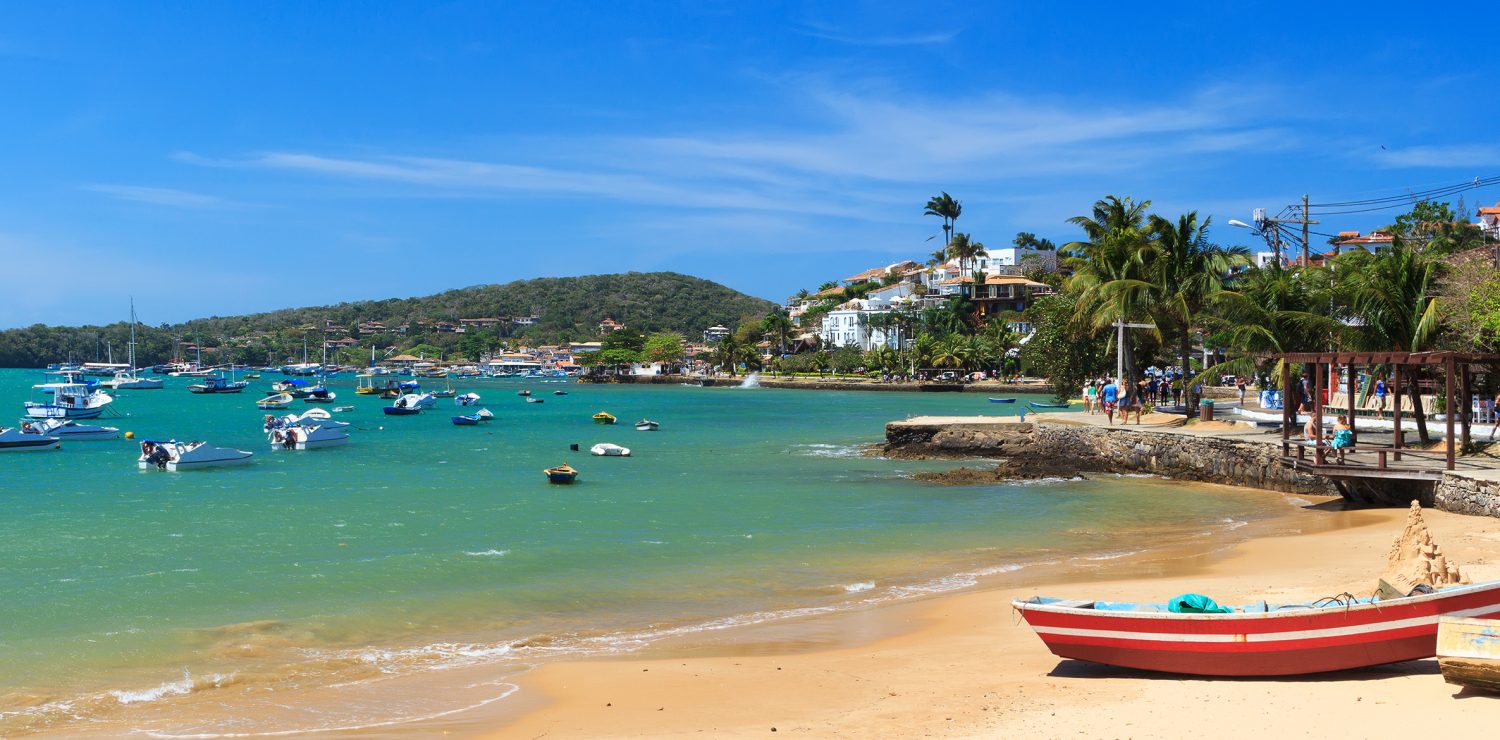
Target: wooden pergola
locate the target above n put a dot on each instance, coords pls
(1458, 373)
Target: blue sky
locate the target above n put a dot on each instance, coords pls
(217, 158)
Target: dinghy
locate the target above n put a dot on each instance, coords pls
(646, 425)
(605, 449)
(604, 417)
(563, 473)
(1002, 400)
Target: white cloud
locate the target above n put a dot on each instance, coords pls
(161, 196)
(1460, 155)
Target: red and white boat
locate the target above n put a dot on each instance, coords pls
(1257, 640)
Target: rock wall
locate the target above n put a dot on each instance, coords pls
(1235, 462)
(1464, 495)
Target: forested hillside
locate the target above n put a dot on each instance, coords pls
(543, 310)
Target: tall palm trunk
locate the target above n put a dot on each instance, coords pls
(1416, 407)
(1184, 350)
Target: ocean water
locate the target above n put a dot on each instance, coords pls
(422, 546)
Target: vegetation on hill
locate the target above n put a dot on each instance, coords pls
(540, 311)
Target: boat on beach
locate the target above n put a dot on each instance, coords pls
(563, 473)
(1261, 639)
(1468, 652)
(19, 439)
(604, 417)
(174, 456)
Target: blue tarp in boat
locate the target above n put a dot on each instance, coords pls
(1196, 604)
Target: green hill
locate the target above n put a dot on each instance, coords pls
(544, 310)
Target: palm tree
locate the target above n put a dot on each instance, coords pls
(965, 250)
(778, 325)
(1185, 271)
(945, 207)
(952, 351)
(1272, 310)
(1108, 272)
(1393, 295)
(728, 353)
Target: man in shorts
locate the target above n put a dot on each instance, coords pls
(1110, 395)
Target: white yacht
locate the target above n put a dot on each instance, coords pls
(70, 402)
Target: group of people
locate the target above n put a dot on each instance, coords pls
(1104, 395)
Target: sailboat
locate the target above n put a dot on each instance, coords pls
(130, 380)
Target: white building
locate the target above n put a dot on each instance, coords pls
(715, 334)
(857, 323)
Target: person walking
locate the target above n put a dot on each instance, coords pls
(1110, 395)
(1380, 393)
(1091, 396)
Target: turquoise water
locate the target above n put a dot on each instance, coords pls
(421, 542)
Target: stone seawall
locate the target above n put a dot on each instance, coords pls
(1209, 459)
(1462, 494)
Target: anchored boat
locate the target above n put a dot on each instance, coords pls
(1262, 639)
(563, 473)
(604, 417)
(13, 439)
(174, 456)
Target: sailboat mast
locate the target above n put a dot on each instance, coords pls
(132, 337)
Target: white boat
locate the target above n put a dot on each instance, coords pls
(70, 402)
(130, 379)
(299, 437)
(310, 418)
(646, 425)
(104, 369)
(415, 401)
(466, 399)
(64, 378)
(174, 456)
(69, 430)
(278, 401)
(16, 439)
(484, 415)
(605, 449)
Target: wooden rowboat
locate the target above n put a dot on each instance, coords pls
(1468, 652)
(1258, 640)
(604, 417)
(563, 473)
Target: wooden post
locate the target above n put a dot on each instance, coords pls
(1467, 395)
(1288, 406)
(1397, 393)
(1317, 412)
(1449, 407)
(1349, 385)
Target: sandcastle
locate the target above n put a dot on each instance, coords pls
(1415, 560)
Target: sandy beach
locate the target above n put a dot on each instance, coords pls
(965, 666)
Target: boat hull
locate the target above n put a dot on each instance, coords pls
(400, 411)
(1277, 643)
(49, 411)
(41, 443)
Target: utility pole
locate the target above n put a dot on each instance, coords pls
(1305, 222)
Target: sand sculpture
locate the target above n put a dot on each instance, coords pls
(1415, 560)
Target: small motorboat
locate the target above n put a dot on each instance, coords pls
(467, 420)
(252, 376)
(445, 393)
(216, 384)
(174, 456)
(484, 415)
(295, 387)
(343, 408)
(409, 404)
(271, 403)
(563, 473)
(523, 393)
(605, 449)
(1039, 406)
(467, 399)
(604, 417)
(529, 399)
(320, 395)
(299, 437)
(646, 425)
(18, 439)
(1260, 639)
(559, 393)
(311, 418)
(69, 430)
(1002, 400)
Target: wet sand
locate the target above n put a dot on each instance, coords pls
(965, 666)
